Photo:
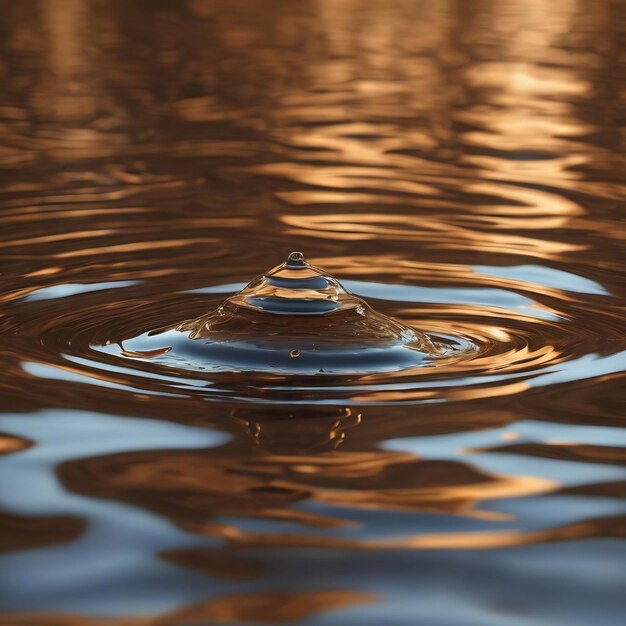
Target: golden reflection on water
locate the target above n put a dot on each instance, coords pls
(469, 152)
(293, 465)
(267, 608)
(9, 444)
(18, 532)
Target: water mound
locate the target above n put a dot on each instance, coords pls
(293, 318)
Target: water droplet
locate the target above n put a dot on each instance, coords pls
(295, 303)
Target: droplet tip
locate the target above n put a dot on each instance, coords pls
(296, 258)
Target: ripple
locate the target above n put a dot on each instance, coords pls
(457, 167)
(508, 342)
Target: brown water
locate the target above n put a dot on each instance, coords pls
(458, 165)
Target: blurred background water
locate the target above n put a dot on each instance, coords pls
(459, 165)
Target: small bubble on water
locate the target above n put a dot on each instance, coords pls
(294, 354)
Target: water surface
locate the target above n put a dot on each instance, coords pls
(459, 165)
